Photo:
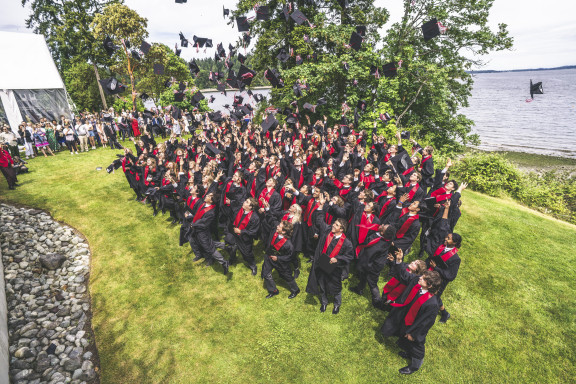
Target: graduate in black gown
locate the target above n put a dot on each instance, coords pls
(413, 314)
(242, 231)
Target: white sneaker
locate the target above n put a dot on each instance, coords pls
(93, 147)
(71, 153)
(76, 152)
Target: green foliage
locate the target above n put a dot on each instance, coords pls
(123, 103)
(167, 99)
(82, 86)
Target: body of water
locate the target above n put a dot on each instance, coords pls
(503, 118)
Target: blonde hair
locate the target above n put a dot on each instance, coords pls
(297, 218)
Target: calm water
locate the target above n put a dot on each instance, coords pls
(505, 121)
(503, 118)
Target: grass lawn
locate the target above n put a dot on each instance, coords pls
(160, 318)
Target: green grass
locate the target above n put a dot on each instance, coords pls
(530, 160)
(160, 318)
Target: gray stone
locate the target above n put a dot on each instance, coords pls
(23, 353)
(22, 374)
(71, 365)
(52, 261)
(42, 362)
(87, 356)
(88, 375)
(77, 373)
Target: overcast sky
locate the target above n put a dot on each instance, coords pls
(544, 31)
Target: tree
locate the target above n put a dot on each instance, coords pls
(82, 86)
(432, 82)
(121, 24)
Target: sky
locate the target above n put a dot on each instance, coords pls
(544, 32)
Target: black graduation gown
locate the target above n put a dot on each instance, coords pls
(447, 274)
(411, 234)
(371, 260)
(333, 281)
(245, 240)
(283, 262)
(236, 195)
(201, 230)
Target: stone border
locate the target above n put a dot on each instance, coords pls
(4, 353)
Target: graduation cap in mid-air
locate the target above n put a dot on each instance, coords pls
(215, 117)
(274, 78)
(241, 58)
(245, 74)
(269, 123)
(362, 105)
(286, 12)
(210, 149)
(356, 41)
(390, 70)
(536, 89)
(297, 89)
(183, 40)
(321, 101)
(209, 43)
(177, 51)
(292, 118)
(112, 86)
(346, 66)
(258, 97)
(310, 107)
(179, 96)
(193, 66)
(158, 69)
(180, 1)
(221, 88)
(181, 86)
(144, 96)
(431, 29)
(198, 96)
(220, 50)
(283, 56)
(263, 12)
(243, 24)
(361, 30)
(232, 50)
(199, 42)
(238, 100)
(145, 47)
(211, 100)
(225, 12)
(109, 46)
(135, 54)
(298, 17)
(231, 79)
(246, 38)
(385, 116)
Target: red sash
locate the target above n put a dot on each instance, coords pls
(124, 164)
(367, 180)
(310, 208)
(415, 290)
(409, 170)
(387, 157)
(393, 288)
(245, 221)
(363, 227)
(385, 206)
(201, 212)
(412, 191)
(413, 311)
(424, 159)
(191, 202)
(404, 228)
(266, 195)
(445, 257)
(228, 186)
(280, 242)
(362, 246)
(441, 195)
(253, 187)
(336, 248)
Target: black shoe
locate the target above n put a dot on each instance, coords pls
(154, 214)
(323, 307)
(357, 290)
(226, 266)
(445, 316)
(272, 294)
(198, 257)
(296, 272)
(11, 187)
(336, 309)
(174, 221)
(404, 355)
(294, 294)
(254, 270)
(209, 262)
(407, 370)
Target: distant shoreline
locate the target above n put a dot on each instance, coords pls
(523, 70)
(531, 162)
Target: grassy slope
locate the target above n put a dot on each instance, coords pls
(159, 317)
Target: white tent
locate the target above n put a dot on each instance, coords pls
(30, 85)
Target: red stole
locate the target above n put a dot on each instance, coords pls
(441, 195)
(228, 186)
(279, 244)
(201, 212)
(310, 208)
(242, 224)
(385, 206)
(415, 290)
(190, 202)
(266, 195)
(394, 288)
(338, 246)
(301, 180)
(363, 230)
(445, 256)
(387, 157)
(404, 228)
(408, 171)
(124, 164)
(253, 187)
(413, 311)
(424, 159)
(412, 191)
(362, 246)
(367, 180)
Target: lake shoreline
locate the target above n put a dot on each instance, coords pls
(530, 162)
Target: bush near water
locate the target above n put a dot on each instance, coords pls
(551, 192)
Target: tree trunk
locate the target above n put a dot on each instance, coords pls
(100, 86)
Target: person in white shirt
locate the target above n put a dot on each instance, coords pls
(82, 131)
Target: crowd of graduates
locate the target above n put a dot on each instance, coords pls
(316, 191)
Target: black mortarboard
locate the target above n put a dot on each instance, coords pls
(246, 37)
(286, 111)
(135, 54)
(167, 83)
(222, 88)
(241, 58)
(390, 70)
(220, 50)
(249, 92)
(405, 135)
(217, 57)
(159, 69)
(177, 51)
(244, 110)
(321, 101)
(180, 1)
(269, 123)
(299, 60)
(215, 116)
(144, 96)
(199, 41)
(430, 29)
(181, 86)
(112, 86)
(194, 69)
(298, 17)
(292, 118)
(181, 36)
(145, 47)
(184, 43)
(127, 44)
(297, 88)
(343, 3)
(356, 41)
(147, 114)
(245, 75)
(178, 96)
(242, 23)
(286, 12)
(210, 149)
(212, 98)
(225, 12)
(231, 79)
(249, 107)
(274, 78)
(361, 30)
(209, 43)
(238, 100)
(385, 116)
(232, 50)
(536, 89)
(283, 56)
(361, 105)
(176, 113)
(309, 107)
(346, 66)
(258, 97)
(197, 97)
(109, 46)
(263, 13)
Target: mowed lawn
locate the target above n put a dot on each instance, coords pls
(161, 318)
